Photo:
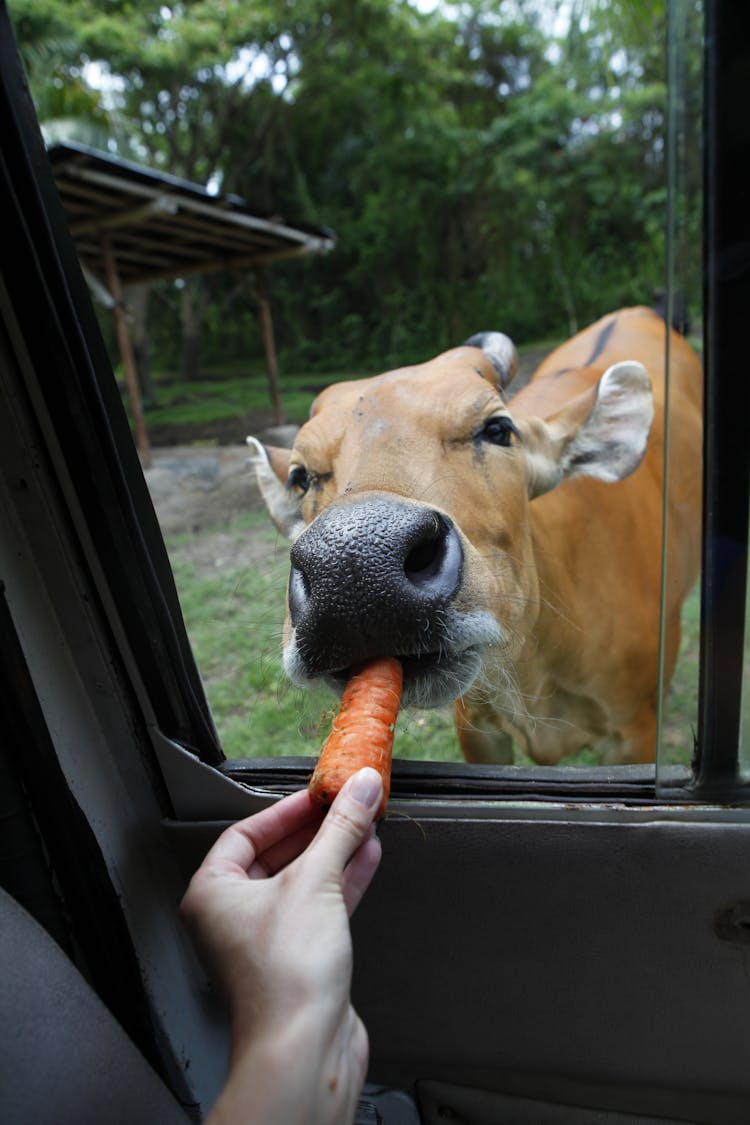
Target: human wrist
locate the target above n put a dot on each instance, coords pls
(285, 1076)
(267, 1084)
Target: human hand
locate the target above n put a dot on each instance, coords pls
(269, 909)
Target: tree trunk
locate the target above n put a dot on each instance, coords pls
(136, 300)
(566, 290)
(193, 304)
(269, 345)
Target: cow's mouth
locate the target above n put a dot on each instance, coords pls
(432, 678)
(416, 665)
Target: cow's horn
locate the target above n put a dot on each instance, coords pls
(501, 351)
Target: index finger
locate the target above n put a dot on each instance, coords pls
(240, 845)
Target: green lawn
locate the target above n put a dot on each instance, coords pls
(236, 390)
(228, 395)
(234, 620)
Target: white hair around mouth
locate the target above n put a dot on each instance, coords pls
(431, 679)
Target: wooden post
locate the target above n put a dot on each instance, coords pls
(126, 351)
(266, 330)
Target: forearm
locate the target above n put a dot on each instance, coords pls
(293, 1078)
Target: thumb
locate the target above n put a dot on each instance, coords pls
(348, 821)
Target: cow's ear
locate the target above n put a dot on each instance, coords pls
(501, 351)
(271, 470)
(601, 433)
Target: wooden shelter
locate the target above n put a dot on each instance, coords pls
(132, 224)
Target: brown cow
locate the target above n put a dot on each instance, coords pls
(506, 549)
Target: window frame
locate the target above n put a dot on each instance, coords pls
(70, 390)
(726, 464)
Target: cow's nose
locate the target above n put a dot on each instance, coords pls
(368, 578)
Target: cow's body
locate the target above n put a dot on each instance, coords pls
(464, 534)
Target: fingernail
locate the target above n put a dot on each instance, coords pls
(367, 787)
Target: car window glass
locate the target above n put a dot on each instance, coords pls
(579, 143)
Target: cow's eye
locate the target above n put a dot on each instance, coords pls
(498, 430)
(299, 478)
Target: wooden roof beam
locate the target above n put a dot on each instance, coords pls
(218, 211)
(233, 262)
(161, 205)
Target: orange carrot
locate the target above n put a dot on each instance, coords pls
(362, 732)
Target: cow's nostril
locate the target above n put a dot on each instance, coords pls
(434, 562)
(423, 560)
(299, 593)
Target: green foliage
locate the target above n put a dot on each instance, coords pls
(480, 167)
(51, 53)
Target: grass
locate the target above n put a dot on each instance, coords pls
(233, 391)
(228, 395)
(680, 717)
(234, 619)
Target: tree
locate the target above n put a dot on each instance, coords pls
(480, 166)
(67, 106)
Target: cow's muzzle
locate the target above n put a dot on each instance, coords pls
(370, 577)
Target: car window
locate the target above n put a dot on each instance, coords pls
(232, 581)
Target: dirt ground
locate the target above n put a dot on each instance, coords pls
(199, 488)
